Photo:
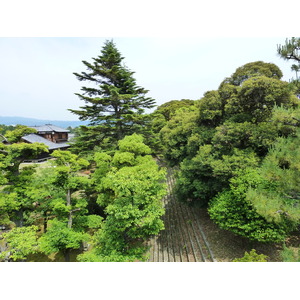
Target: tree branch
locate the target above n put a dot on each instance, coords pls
(4, 138)
(3, 151)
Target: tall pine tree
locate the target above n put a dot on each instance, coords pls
(115, 104)
(291, 51)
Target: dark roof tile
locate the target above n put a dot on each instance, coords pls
(48, 128)
(34, 138)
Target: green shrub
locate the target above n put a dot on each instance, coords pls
(252, 256)
(290, 255)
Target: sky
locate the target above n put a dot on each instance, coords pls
(37, 78)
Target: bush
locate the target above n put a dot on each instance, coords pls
(289, 254)
(252, 256)
(232, 211)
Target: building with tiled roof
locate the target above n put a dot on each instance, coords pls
(52, 136)
(35, 138)
(52, 133)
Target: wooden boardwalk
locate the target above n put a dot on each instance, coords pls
(183, 239)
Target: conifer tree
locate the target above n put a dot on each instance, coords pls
(115, 104)
(291, 52)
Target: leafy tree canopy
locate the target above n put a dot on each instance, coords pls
(130, 188)
(232, 211)
(257, 68)
(169, 108)
(21, 241)
(232, 130)
(175, 134)
(59, 237)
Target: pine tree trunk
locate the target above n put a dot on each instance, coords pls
(67, 254)
(70, 220)
(69, 204)
(45, 222)
(69, 197)
(118, 124)
(21, 218)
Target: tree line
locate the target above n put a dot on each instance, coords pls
(236, 149)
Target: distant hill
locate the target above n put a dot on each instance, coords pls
(32, 122)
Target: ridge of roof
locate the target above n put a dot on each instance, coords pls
(48, 128)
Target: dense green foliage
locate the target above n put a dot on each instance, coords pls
(60, 237)
(21, 241)
(175, 135)
(130, 188)
(280, 202)
(252, 256)
(13, 179)
(290, 254)
(258, 68)
(229, 133)
(5, 128)
(232, 210)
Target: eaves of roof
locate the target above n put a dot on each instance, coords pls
(34, 138)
